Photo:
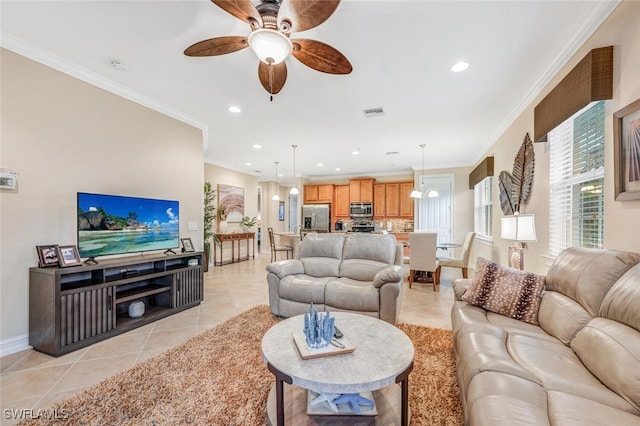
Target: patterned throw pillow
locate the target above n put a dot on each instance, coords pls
(506, 291)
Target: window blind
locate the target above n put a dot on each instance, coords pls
(483, 208)
(576, 181)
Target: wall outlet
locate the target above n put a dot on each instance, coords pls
(192, 226)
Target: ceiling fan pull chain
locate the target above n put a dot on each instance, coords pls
(271, 81)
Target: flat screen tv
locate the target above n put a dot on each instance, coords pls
(116, 224)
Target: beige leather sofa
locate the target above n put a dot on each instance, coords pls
(580, 366)
(340, 272)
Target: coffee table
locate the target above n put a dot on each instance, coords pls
(383, 357)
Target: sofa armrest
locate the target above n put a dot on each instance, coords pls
(388, 274)
(460, 286)
(286, 267)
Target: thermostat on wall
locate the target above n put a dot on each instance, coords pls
(8, 179)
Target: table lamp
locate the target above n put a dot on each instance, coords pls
(519, 228)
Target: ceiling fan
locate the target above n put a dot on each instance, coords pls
(272, 22)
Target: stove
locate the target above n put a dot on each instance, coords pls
(364, 226)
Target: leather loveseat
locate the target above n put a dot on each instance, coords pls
(579, 366)
(359, 273)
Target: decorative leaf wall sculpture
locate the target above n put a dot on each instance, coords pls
(506, 199)
(515, 188)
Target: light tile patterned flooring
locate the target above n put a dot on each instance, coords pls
(32, 380)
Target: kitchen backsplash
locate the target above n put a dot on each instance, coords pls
(391, 225)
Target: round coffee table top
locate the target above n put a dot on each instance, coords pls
(382, 353)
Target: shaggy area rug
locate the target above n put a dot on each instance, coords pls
(219, 378)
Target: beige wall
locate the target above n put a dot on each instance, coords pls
(622, 230)
(64, 136)
(219, 175)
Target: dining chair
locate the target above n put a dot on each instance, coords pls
(461, 262)
(422, 258)
(275, 249)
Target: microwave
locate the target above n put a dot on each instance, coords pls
(361, 210)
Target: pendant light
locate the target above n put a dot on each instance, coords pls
(276, 197)
(417, 193)
(294, 190)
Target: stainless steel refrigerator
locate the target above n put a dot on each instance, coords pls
(316, 217)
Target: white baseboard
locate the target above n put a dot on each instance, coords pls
(13, 345)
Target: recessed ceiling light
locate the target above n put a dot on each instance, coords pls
(337, 169)
(257, 146)
(234, 109)
(355, 152)
(248, 164)
(459, 66)
(319, 164)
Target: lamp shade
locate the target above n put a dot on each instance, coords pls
(521, 227)
(270, 46)
(415, 194)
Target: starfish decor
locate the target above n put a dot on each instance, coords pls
(353, 399)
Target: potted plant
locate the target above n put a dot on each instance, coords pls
(249, 222)
(207, 227)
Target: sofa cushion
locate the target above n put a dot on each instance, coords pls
(321, 254)
(611, 351)
(561, 316)
(365, 255)
(585, 275)
(505, 291)
(303, 288)
(353, 295)
(622, 302)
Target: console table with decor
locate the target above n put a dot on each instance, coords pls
(238, 251)
(73, 307)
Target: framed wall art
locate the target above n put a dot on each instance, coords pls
(626, 152)
(68, 256)
(231, 200)
(47, 255)
(281, 211)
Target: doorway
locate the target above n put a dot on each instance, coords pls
(437, 212)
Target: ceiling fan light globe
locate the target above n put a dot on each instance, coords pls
(270, 46)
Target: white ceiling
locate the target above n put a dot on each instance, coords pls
(401, 52)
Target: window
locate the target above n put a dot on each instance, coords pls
(482, 208)
(576, 181)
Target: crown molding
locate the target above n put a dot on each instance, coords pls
(36, 54)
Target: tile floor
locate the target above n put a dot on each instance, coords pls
(32, 380)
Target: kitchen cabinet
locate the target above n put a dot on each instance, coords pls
(392, 201)
(318, 193)
(379, 199)
(406, 202)
(361, 190)
(342, 200)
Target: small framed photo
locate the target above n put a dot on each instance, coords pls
(281, 211)
(626, 152)
(47, 255)
(187, 245)
(68, 256)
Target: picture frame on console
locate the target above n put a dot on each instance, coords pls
(47, 255)
(68, 256)
(626, 152)
(187, 245)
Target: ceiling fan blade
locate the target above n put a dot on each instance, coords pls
(305, 14)
(217, 46)
(243, 10)
(320, 57)
(272, 77)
